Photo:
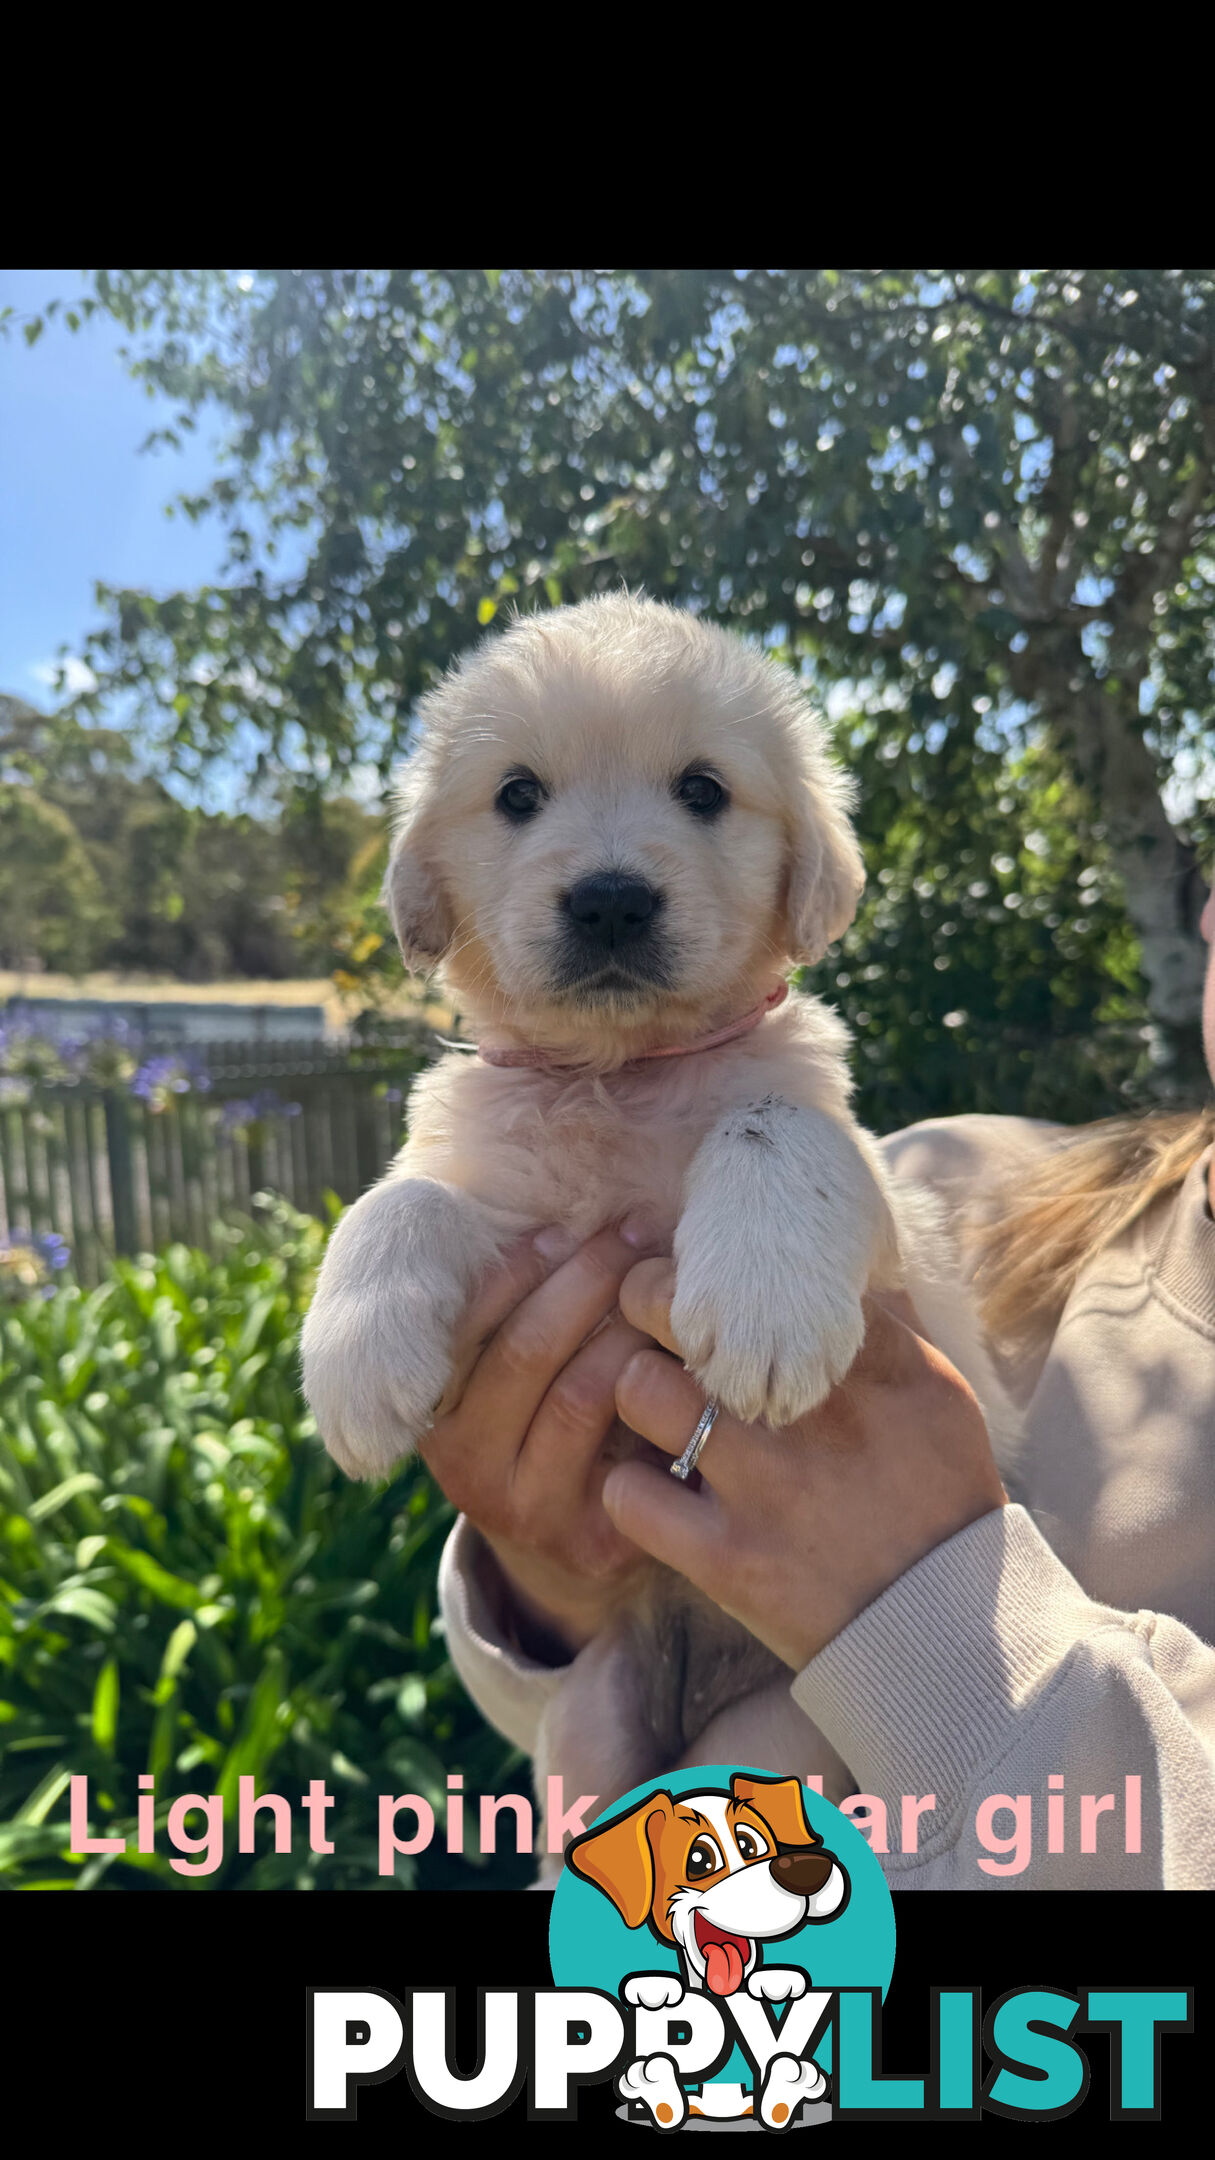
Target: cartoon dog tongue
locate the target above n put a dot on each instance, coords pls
(723, 1966)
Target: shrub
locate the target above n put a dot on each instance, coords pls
(188, 1586)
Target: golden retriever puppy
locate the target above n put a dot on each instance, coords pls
(621, 829)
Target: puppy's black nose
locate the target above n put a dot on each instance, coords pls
(611, 909)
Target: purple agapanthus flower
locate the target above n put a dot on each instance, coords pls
(29, 1259)
(160, 1078)
(239, 1112)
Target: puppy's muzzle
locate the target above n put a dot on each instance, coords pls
(804, 1870)
(611, 910)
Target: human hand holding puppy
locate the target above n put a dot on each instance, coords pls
(794, 1532)
(519, 1444)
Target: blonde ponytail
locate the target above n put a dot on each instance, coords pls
(1086, 1194)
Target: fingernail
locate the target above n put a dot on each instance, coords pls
(638, 1231)
(556, 1243)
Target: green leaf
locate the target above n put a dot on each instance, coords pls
(142, 1568)
(177, 1650)
(71, 1488)
(105, 1706)
(43, 1798)
(80, 1603)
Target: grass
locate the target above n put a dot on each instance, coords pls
(190, 1588)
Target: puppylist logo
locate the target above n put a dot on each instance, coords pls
(734, 1920)
(721, 1945)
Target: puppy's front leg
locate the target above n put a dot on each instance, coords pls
(785, 1223)
(376, 1345)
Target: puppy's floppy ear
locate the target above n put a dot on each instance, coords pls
(826, 873)
(780, 1802)
(412, 892)
(619, 1858)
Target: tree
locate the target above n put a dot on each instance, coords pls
(51, 910)
(979, 501)
(107, 868)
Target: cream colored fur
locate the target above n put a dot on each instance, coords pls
(746, 1157)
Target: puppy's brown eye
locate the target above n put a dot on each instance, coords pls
(704, 1859)
(701, 793)
(519, 797)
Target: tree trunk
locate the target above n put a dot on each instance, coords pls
(1158, 868)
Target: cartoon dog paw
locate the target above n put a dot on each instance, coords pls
(653, 2082)
(653, 1991)
(776, 1983)
(787, 2084)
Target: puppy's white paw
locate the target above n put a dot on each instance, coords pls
(766, 1349)
(376, 1345)
(783, 1225)
(373, 1372)
(653, 1991)
(777, 1983)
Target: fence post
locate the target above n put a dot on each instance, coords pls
(122, 1173)
(255, 1156)
(366, 1139)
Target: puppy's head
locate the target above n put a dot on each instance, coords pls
(619, 820)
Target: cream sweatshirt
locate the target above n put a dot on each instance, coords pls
(1046, 1677)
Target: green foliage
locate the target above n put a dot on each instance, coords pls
(189, 1587)
(100, 866)
(974, 507)
(991, 966)
(898, 472)
(51, 906)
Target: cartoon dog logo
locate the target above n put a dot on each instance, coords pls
(718, 1875)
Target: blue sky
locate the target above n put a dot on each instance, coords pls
(78, 503)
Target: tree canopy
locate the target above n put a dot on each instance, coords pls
(101, 867)
(975, 507)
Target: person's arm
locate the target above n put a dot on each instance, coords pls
(510, 1685)
(985, 1671)
(938, 1642)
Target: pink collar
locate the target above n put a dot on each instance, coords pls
(541, 1061)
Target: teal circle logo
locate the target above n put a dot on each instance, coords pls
(700, 1874)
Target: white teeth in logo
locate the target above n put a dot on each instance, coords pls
(652, 2080)
(787, 2084)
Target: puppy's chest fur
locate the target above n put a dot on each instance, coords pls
(585, 1150)
(578, 1151)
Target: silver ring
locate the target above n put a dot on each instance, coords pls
(692, 1453)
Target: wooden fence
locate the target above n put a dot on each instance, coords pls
(112, 1174)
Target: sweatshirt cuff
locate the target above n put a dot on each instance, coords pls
(932, 1681)
(509, 1688)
